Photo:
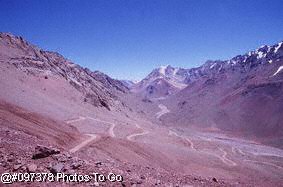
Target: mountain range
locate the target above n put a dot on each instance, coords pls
(179, 78)
(242, 95)
(219, 124)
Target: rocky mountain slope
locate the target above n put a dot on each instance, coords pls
(128, 83)
(168, 80)
(97, 88)
(242, 96)
(162, 82)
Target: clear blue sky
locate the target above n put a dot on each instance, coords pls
(127, 39)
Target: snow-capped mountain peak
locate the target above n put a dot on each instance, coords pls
(277, 47)
(179, 78)
(169, 73)
(162, 69)
(162, 81)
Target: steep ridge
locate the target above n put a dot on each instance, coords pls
(97, 88)
(241, 63)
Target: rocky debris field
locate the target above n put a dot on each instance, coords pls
(23, 153)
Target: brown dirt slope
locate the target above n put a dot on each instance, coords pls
(19, 119)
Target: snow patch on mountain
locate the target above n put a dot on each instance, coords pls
(260, 54)
(129, 83)
(278, 47)
(171, 78)
(162, 69)
(175, 71)
(278, 70)
(212, 66)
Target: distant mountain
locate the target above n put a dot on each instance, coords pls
(244, 63)
(162, 82)
(176, 76)
(243, 96)
(167, 80)
(128, 83)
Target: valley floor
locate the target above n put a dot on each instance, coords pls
(184, 151)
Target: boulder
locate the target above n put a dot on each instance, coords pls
(43, 151)
(57, 168)
(76, 165)
(16, 167)
(214, 179)
(31, 168)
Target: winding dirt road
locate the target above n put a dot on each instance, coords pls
(265, 163)
(80, 118)
(163, 110)
(225, 159)
(110, 130)
(184, 138)
(131, 136)
(92, 136)
(83, 144)
(235, 150)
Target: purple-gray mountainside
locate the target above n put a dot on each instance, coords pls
(98, 88)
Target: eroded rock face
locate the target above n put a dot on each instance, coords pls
(43, 151)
